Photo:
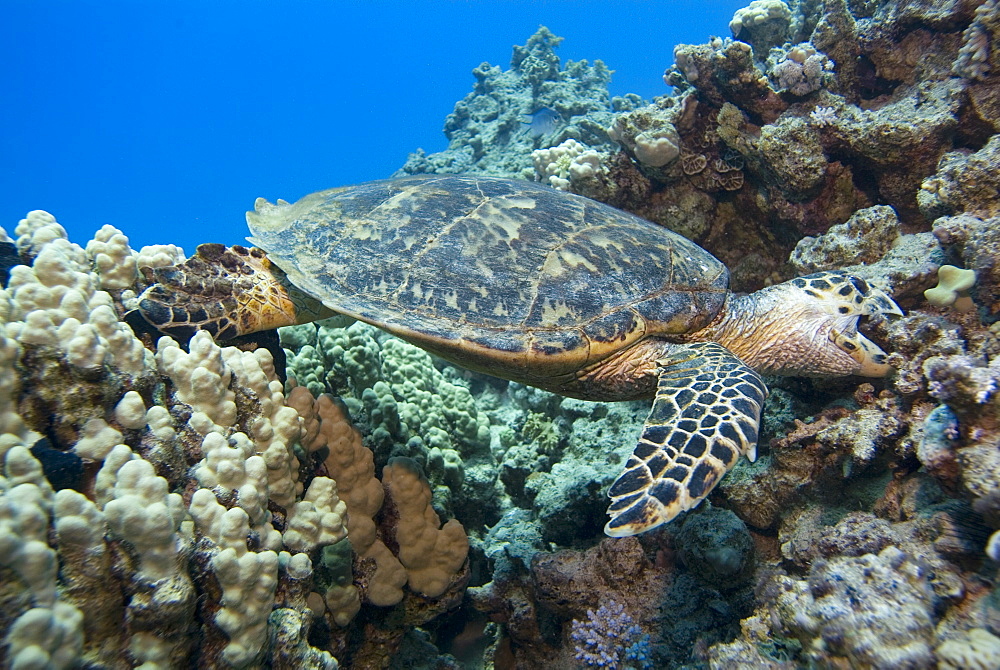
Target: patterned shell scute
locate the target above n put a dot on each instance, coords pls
(498, 264)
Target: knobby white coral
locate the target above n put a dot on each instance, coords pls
(57, 301)
(759, 12)
(570, 161)
(800, 70)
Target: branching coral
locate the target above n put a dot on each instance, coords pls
(428, 557)
(609, 639)
(194, 508)
(353, 467)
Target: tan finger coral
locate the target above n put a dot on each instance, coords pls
(431, 553)
(352, 466)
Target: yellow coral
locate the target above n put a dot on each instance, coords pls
(952, 289)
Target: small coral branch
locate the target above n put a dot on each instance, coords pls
(610, 639)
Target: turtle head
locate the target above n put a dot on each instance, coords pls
(845, 299)
(809, 327)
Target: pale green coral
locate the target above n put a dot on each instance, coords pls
(409, 405)
(445, 465)
(952, 288)
(352, 357)
(380, 405)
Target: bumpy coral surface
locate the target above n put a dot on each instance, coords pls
(491, 130)
(193, 510)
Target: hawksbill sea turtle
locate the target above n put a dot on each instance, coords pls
(524, 282)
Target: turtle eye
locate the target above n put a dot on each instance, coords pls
(859, 284)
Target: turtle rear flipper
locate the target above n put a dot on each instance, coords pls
(228, 291)
(705, 414)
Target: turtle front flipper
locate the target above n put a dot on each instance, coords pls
(705, 414)
(228, 291)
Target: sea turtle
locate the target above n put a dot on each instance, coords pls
(524, 282)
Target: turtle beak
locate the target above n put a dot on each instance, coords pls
(875, 305)
(870, 359)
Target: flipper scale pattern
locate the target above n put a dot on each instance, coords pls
(705, 414)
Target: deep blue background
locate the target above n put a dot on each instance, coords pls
(168, 119)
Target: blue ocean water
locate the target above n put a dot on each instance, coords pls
(167, 120)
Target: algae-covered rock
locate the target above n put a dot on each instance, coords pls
(864, 238)
(965, 182)
(792, 150)
(492, 130)
(874, 610)
(715, 545)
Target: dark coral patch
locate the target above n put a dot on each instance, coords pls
(63, 469)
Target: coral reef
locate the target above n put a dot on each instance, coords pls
(807, 116)
(763, 23)
(279, 503)
(823, 135)
(193, 516)
(489, 130)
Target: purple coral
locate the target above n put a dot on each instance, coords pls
(611, 639)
